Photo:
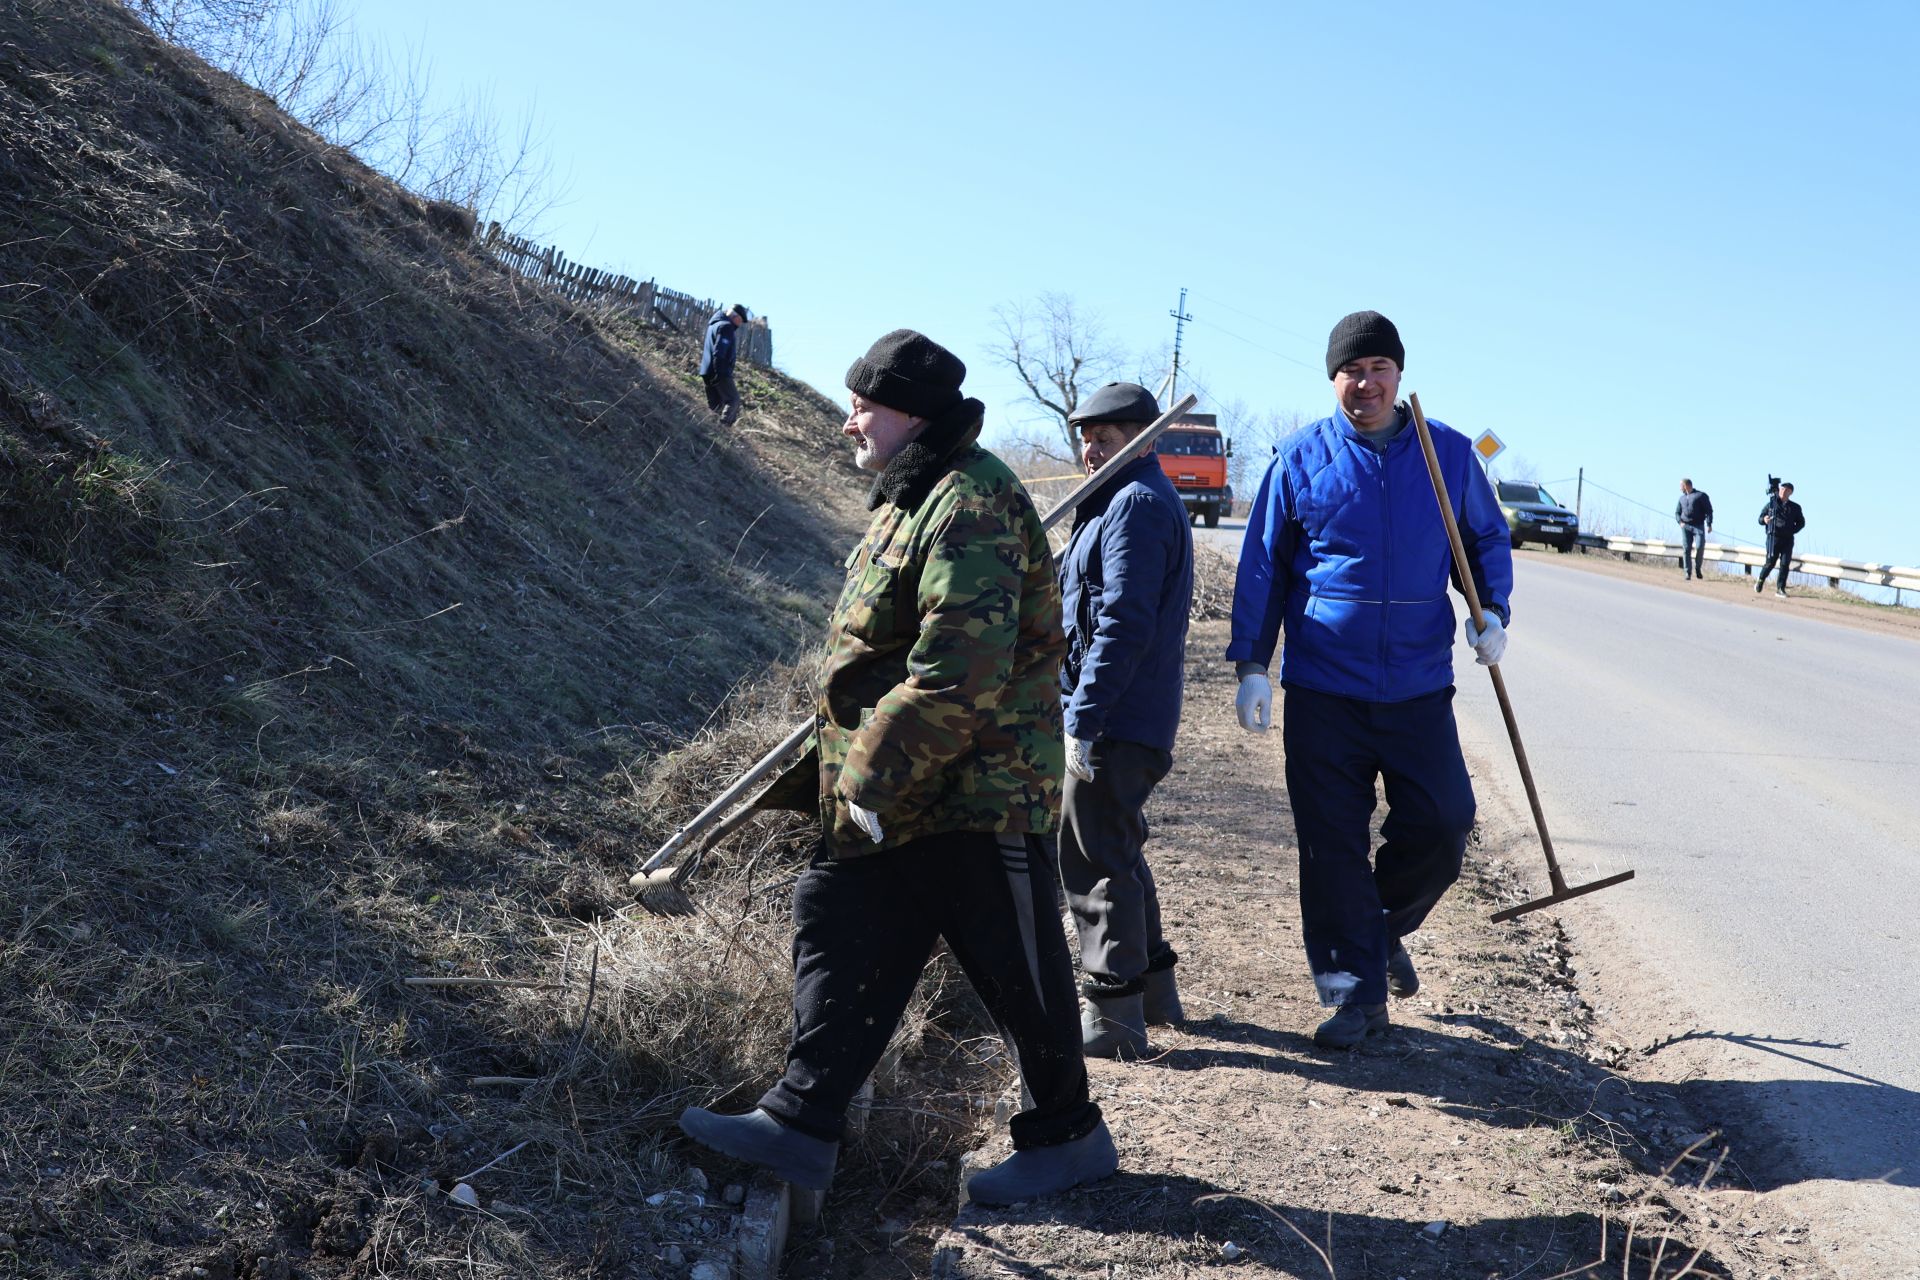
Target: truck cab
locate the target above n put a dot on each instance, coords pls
(1194, 455)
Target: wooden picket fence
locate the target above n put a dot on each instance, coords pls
(589, 286)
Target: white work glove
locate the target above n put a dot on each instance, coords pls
(1080, 758)
(1487, 645)
(1254, 702)
(867, 820)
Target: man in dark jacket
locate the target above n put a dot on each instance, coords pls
(1694, 511)
(1345, 548)
(716, 362)
(1783, 519)
(1127, 586)
(935, 769)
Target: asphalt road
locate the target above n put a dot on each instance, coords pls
(1760, 771)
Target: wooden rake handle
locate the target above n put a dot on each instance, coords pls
(1479, 622)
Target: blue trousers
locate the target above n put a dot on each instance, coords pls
(1352, 911)
(1693, 550)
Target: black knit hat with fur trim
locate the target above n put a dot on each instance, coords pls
(1363, 334)
(910, 372)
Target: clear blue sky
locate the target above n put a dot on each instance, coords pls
(1651, 240)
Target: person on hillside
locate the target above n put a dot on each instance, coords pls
(1783, 519)
(717, 354)
(1694, 511)
(1127, 583)
(1346, 550)
(935, 769)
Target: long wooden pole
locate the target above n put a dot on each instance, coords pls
(793, 741)
(1472, 592)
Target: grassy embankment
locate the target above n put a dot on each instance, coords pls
(367, 617)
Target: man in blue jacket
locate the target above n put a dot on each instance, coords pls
(716, 362)
(1127, 585)
(1346, 551)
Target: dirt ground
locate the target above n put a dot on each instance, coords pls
(1497, 1131)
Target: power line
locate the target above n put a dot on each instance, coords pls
(1250, 342)
(1664, 515)
(1257, 319)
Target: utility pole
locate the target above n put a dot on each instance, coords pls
(1180, 318)
(1579, 487)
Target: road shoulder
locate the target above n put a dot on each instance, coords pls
(1828, 604)
(1496, 1130)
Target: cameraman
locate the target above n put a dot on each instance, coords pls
(1783, 519)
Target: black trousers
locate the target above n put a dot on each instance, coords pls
(863, 929)
(1351, 913)
(1103, 862)
(1780, 549)
(722, 396)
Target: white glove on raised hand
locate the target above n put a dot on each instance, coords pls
(867, 820)
(1254, 702)
(1489, 644)
(1080, 758)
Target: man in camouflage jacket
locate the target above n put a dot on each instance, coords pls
(938, 758)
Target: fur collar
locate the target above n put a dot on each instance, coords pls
(910, 477)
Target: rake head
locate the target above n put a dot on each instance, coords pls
(1560, 894)
(660, 893)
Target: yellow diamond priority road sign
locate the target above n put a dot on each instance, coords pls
(1488, 446)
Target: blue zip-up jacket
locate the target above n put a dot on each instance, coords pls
(716, 352)
(1126, 583)
(1346, 549)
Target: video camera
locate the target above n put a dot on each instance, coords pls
(1773, 485)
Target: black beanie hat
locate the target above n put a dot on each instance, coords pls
(1116, 402)
(1362, 334)
(910, 372)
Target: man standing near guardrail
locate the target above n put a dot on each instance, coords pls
(1784, 519)
(1127, 580)
(1694, 511)
(1345, 548)
(717, 354)
(936, 767)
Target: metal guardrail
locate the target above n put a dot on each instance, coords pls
(1833, 569)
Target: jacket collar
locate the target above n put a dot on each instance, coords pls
(1354, 433)
(1096, 503)
(910, 477)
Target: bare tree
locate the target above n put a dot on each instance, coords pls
(1059, 353)
(303, 54)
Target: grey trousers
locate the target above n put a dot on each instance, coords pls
(1103, 864)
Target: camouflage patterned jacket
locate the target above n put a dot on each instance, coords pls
(939, 705)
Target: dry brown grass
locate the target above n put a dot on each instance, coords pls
(368, 617)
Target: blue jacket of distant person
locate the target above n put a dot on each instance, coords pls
(1126, 584)
(717, 351)
(1346, 552)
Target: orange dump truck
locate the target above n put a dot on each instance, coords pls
(1194, 456)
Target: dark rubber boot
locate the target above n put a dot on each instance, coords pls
(1160, 1002)
(1046, 1171)
(1113, 1025)
(1350, 1024)
(760, 1139)
(1402, 980)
